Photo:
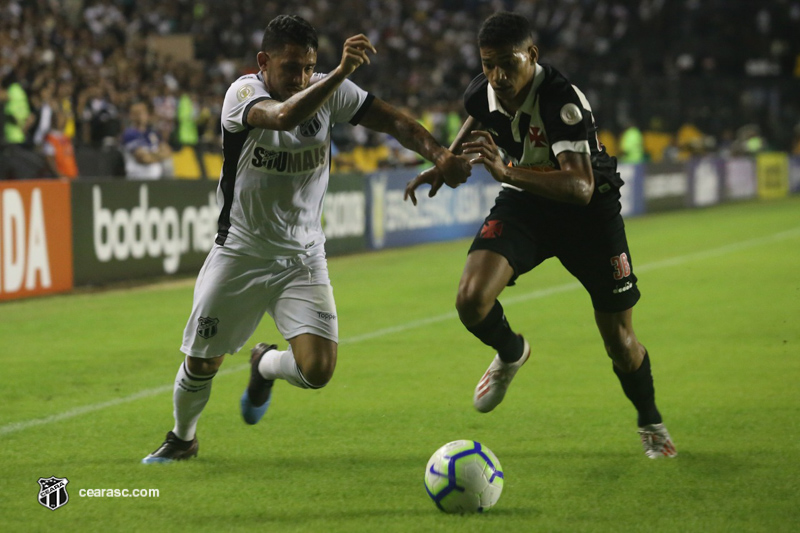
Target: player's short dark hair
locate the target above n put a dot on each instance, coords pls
(289, 29)
(504, 29)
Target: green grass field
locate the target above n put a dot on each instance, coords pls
(86, 393)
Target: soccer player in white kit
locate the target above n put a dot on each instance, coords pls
(269, 254)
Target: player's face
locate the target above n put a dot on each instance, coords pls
(288, 71)
(510, 70)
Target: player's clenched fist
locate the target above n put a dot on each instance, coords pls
(355, 53)
(455, 169)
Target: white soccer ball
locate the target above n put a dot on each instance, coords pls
(464, 476)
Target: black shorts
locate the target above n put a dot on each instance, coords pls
(589, 241)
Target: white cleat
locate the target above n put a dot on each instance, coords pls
(495, 381)
(656, 441)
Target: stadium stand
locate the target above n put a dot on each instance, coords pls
(727, 67)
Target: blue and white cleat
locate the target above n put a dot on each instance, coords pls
(256, 397)
(173, 449)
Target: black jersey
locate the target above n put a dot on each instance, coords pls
(554, 118)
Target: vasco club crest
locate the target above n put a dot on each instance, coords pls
(53, 492)
(207, 327)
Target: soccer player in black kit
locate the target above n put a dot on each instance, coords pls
(560, 198)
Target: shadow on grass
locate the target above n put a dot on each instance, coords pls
(365, 516)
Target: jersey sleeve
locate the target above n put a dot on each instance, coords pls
(475, 98)
(243, 94)
(349, 103)
(564, 113)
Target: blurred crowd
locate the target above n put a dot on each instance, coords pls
(77, 72)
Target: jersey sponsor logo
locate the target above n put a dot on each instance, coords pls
(571, 114)
(207, 326)
(289, 162)
(310, 127)
(492, 229)
(537, 137)
(53, 492)
(326, 316)
(245, 92)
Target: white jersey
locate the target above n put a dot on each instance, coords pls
(273, 183)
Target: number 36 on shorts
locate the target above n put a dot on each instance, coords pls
(622, 267)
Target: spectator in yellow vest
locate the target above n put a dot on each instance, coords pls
(631, 144)
(16, 110)
(187, 120)
(17, 160)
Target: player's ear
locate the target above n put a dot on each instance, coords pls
(263, 60)
(533, 52)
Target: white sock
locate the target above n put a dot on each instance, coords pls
(281, 365)
(189, 397)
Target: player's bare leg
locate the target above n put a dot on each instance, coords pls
(190, 395)
(204, 367)
(308, 363)
(632, 367)
(485, 275)
(315, 357)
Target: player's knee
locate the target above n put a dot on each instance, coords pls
(625, 351)
(616, 348)
(199, 366)
(472, 301)
(318, 371)
(318, 376)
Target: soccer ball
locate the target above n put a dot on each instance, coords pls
(464, 476)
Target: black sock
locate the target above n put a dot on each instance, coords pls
(638, 387)
(494, 331)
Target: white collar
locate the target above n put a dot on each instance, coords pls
(527, 105)
(494, 102)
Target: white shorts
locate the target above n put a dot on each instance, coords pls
(233, 291)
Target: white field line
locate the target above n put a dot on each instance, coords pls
(72, 413)
(534, 295)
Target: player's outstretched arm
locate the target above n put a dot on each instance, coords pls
(464, 134)
(384, 118)
(433, 176)
(286, 115)
(573, 183)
